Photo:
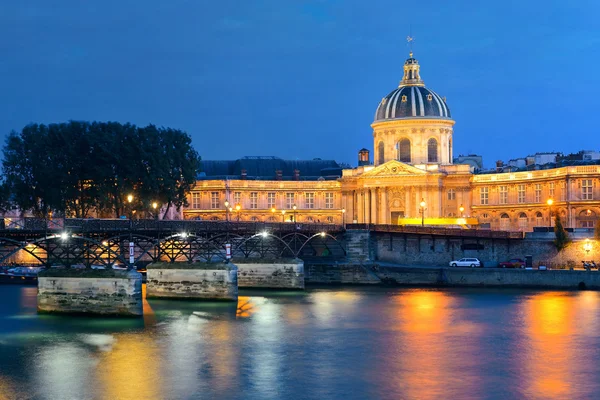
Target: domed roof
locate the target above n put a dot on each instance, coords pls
(412, 99)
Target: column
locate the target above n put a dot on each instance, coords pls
(374, 205)
(383, 204)
(367, 206)
(360, 217)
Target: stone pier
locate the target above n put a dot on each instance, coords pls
(208, 281)
(87, 291)
(272, 274)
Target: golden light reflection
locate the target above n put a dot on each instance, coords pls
(549, 321)
(245, 307)
(130, 370)
(424, 311)
(149, 316)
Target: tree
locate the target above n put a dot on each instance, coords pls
(562, 239)
(76, 168)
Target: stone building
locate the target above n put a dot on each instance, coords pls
(412, 179)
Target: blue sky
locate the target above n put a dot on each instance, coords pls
(302, 79)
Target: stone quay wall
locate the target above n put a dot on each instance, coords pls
(107, 292)
(429, 250)
(373, 273)
(209, 281)
(274, 274)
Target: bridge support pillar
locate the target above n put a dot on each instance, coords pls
(270, 273)
(202, 281)
(359, 245)
(87, 291)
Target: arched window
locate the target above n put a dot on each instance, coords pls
(254, 219)
(380, 153)
(523, 223)
(432, 153)
(586, 219)
(504, 222)
(403, 148)
(539, 219)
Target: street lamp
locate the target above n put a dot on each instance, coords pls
(130, 200)
(461, 209)
(227, 210)
(550, 202)
(294, 208)
(343, 220)
(237, 209)
(282, 215)
(273, 214)
(422, 205)
(587, 246)
(154, 207)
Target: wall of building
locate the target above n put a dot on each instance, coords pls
(90, 292)
(192, 281)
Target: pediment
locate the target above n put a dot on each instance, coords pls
(393, 168)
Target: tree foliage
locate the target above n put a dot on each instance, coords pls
(78, 168)
(561, 237)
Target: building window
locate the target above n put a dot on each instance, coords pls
(485, 216)
(521, 193)
(551, 190)
(289, 200)
(504, 222)
(330, 220)
(451, 194)
(309, 219)
(255, 219)
(503, 190)
(195, 200)
(432, 150)
(328, 200)
(253, 199)
(380, 152)
(214, 200)
(483, 196)
(523, 225)
(404, 98)
(237, 198)
(586, 189)
(310, 200)
(538, 192)
(403, 148)
(586, 219)
(271, 200)
(539, 219)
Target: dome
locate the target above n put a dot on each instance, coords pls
(412, 99)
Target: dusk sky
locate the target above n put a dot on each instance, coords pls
(302, 79)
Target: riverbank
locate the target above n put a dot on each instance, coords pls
(386, 274)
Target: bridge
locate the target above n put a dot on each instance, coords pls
(107, 242)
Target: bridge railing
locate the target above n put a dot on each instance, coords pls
(100, 225)
(439, 231)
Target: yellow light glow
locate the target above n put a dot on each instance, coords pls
(154, 205)
(549, 202)
(129, 198)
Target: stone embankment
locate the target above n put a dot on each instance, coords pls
(374, 273)
(86, 291)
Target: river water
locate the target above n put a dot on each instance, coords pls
(350, 343)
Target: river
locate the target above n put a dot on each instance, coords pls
(340, 343)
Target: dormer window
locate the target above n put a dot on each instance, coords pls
(383, 101)
(429, 97)
(404, 98)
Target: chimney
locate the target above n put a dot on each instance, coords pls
(278, 175)
(499, 166)
(244, 174)
(296, 174)
(363, 157)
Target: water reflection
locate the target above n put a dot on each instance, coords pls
(358, 343)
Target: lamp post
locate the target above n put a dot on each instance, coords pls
(237, 209)
(587, 246)
(294, 208)
(343, 220)
(226, 210)
(273, 214)
(154, 207)
(129, 201)
(422, 205)
(282, 215)
(549, 202)
(462, 210)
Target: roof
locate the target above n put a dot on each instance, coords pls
(264, 168)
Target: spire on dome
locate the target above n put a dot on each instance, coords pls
(411, 68)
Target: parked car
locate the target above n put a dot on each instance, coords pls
(466, 262)
(512, 263)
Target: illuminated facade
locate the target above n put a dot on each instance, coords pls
(412, 180)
